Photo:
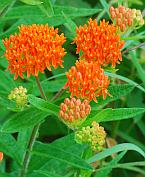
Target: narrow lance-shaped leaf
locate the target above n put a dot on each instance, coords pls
(125, 79)
(34, 11)
(115, 149)
(43, 105)
(114, 114)
(32, 2)
(103, 172)
(117, 91)
(23, 120)
(59, 154)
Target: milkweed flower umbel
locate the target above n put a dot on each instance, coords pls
(1, 156)
(33, 49)
(87, 81)
(93, 135)
(73, 112)
(125, 17)
(99, 43)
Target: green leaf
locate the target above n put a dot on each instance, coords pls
(43, 105)
(115, 149)
(103, 172)
(134, 37)
(32, 2)
(105, 6)
(140, 71)
(66, 143)
(127, 166)
(120, 2)
(9, 147)
(34, 11)
(46, 173)
(23, 120)
(117, 91)
(4, 4)
(114, 114)
(6, 83)
(5, 175)
(47, 8)
(2, 45)
(75, 12)
(126, 80)
(130, 139)
(23, 139)
(141, 126)
(59, 154)
(70, 25)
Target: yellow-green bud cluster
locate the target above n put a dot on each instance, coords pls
(138, 18)
(94, 136)
(125, 17)
(19, 95)
(73, 112)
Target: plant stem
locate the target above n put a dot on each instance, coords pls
(58, 94)
(133, 48)
(33, 137)
(29, 149)
(40, 89)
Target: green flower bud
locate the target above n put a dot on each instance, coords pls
(19, 96)
(93, 135)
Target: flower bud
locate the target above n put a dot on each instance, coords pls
(71, 112)
(19, 95)
(126, 17)
(93, 135)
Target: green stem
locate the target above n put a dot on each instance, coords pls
(133, 48)
(41, 89)
(57, 94)
(32, 140)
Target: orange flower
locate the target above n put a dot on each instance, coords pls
(1, 156)
(99, 43)
(34, 49)
(87, 81)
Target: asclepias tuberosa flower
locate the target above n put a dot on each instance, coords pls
(33, 49)
(99, 43)
(86, 80)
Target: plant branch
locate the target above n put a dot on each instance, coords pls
(32, 139)
(40, 88)
(58, 94)
(133, 48)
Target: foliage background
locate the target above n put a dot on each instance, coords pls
(13, 13)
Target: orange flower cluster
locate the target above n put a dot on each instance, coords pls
(126, 17)
(1, 156)
(73, 112)
(87, 81)
(34, 49)
(99, 43)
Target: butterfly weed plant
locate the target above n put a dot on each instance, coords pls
(59, 113)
